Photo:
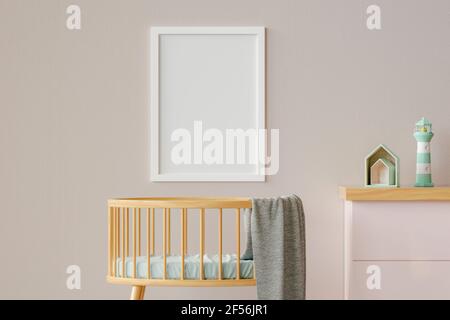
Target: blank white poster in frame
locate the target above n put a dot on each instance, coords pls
(204, 80)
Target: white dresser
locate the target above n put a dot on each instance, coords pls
(397, 243)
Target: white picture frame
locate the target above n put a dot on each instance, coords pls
(193, 75)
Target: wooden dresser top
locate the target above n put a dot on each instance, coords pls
(394, 194)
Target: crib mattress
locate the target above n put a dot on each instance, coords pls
(191, 267)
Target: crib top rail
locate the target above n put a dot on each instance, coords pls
(182, 202)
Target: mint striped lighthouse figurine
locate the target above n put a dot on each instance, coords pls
(423, 135)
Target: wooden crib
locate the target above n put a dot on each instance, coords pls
(139, 212)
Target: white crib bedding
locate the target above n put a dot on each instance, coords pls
(191, 267)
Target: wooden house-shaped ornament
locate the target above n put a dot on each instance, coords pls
(381, 168)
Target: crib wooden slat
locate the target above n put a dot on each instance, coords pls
(118, 232)
(127, 235)
(123, 243)
(164, 243)
(139, 232)
(110, 238)
(202, 242)
(182, 244)
(134, 242)
(148, 244)
(168, 231)
(153, 231)
(115, 242)
(203, 229)
(220, 244)
(185, 231)
(238, 244)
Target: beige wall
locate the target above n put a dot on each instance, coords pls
(74, 129)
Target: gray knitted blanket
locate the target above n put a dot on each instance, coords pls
(276, 242)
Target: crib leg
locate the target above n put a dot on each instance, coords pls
(137, 293)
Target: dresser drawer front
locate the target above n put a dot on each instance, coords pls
(400, 231)
(400, 280)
